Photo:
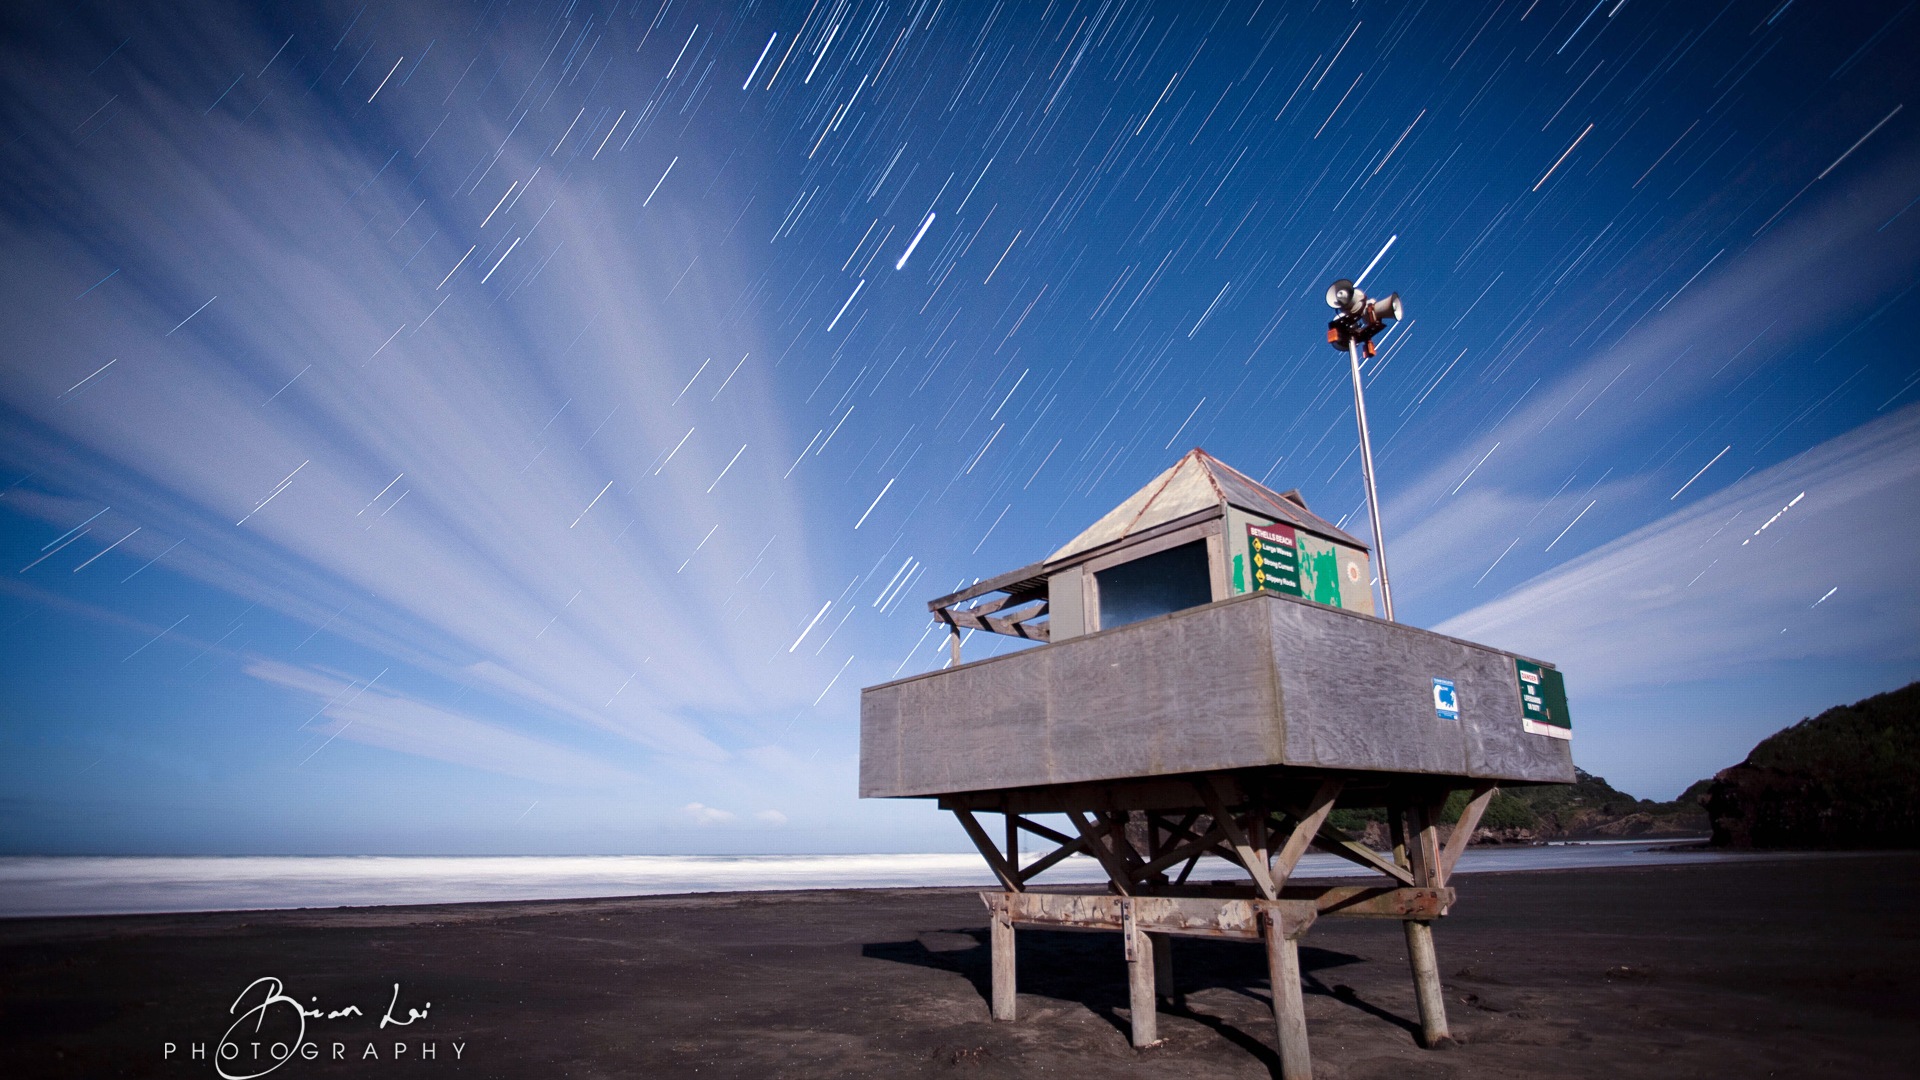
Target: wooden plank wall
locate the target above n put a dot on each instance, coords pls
(1254, 681)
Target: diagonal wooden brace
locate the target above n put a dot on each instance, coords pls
(1309, 821)
(1009, 877)
(1117, 870)
(1463, 830)
(1256, 865)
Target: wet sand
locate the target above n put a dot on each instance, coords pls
(1801, 967)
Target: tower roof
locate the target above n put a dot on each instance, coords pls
(1195, 482)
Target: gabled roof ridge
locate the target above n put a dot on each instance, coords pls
(1206, 469)
(1197, 479)
(1148, 505)
(1288, 510)
(1259, 489)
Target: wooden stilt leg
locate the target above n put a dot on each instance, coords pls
(1289, 1011)
(1003, 967)
(1426, 985)
(1163, 964)
(1140, 998)
(1423, 844)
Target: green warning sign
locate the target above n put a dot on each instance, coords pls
(1543, 701)
(1273, 551)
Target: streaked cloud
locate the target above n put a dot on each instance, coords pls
(361, 711)
(1707, 594)
(1627, 424)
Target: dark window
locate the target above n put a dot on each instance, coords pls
(1166, 581)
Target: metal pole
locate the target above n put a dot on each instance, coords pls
(1366, 466)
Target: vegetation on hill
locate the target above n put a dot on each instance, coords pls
(1589, 808)
(1848, 778)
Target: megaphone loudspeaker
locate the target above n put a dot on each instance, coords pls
(1341, 295)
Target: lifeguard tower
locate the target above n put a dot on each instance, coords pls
(1214, 683)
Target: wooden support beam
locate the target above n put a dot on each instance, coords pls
(1345, 901)
(1370, 902)
(1049, 861)
(1001, 940)
(1193, 850)
(1210, 844)
(1008, 876)
(1141, 1000)
(1483, 794)
(1188, 869)
(1043, 832)
(1013, 844)
(1308, 819)
(1289, 1010)
(1119, 845)
(1122, 844)
(998, 603)
(1013, 625)
(1235, 917)
(1423, 843)
(997, 583)
(1136, 793)
(1184, 828)
(1397, 830)
(1331, 840)
(1434, 1033)
(1111, 863)
(1021, 624)
(1256, 867)
(1423, 851)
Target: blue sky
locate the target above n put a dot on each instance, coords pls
(523, 428)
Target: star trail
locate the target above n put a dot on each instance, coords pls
(566, 367)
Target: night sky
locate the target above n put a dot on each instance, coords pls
(524, 427)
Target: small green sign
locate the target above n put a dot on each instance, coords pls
(1543, 700)
(1274, 553)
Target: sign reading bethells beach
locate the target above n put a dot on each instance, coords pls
(1274, 553)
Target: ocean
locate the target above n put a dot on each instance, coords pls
(134, 884)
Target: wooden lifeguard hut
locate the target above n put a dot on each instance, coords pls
(1214, 683)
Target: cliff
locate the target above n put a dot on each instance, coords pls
(1848, 778)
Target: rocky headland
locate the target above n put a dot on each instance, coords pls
(1846, 779)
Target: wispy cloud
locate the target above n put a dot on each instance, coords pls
(1706, 594)
(337, 353)
(364, 712)
(1818, 275)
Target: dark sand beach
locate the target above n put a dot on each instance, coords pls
(1799, 967)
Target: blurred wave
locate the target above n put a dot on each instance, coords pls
(125, 885)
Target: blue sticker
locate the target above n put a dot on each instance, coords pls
(1446, 703)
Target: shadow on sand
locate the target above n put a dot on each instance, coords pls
(1089, 968)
